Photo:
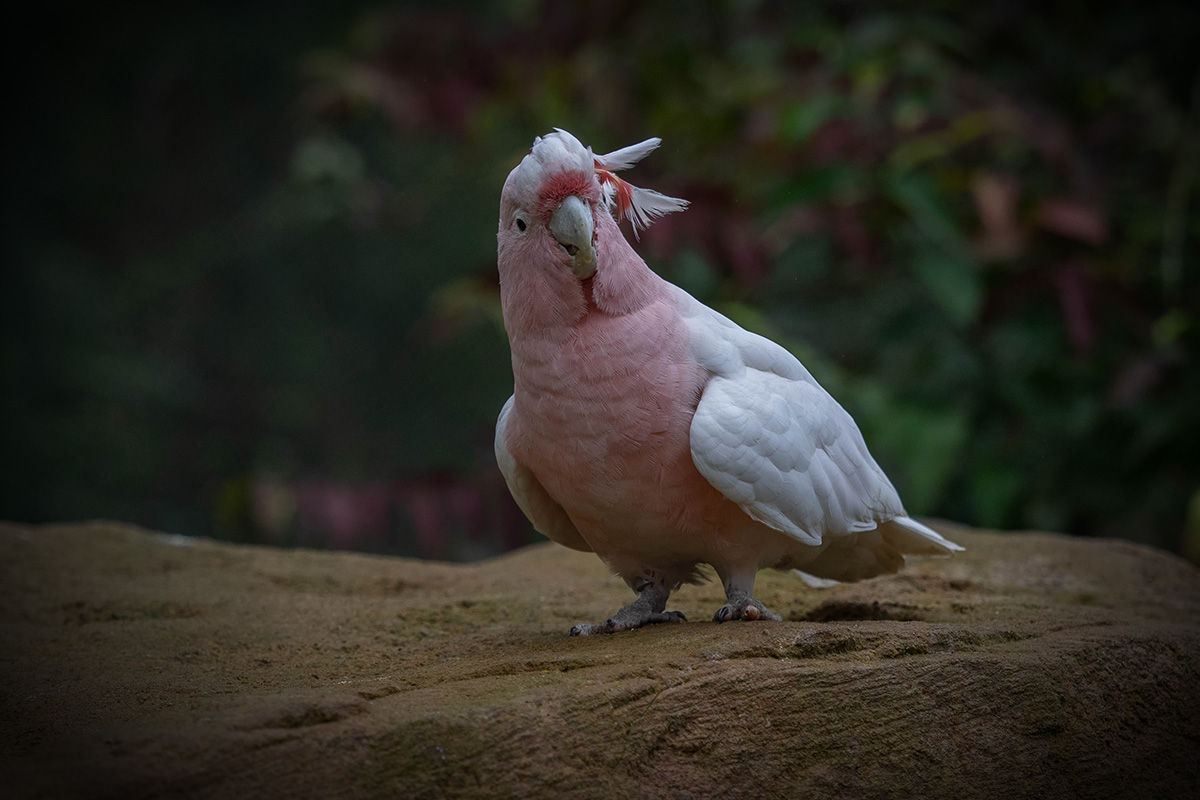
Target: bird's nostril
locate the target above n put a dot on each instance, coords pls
(571, 249)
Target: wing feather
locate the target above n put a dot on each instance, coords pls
(768, 437)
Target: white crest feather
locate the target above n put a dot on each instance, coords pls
(626, 157)
(640, 206)
(648, 205)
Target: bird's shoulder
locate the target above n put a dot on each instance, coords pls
(725, 349)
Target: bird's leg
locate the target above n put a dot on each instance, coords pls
(646, 610)
(740, 602)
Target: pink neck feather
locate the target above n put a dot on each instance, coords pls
(623, 283)
(542, 299)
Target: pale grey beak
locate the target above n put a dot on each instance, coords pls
(572, 227)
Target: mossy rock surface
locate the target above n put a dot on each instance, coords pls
(137, 664)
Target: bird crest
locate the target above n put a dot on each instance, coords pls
(640, 206)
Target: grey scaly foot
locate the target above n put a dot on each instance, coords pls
(646, 610)
(616, 623)
(742, 606)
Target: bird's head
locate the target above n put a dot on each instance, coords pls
(552, 199)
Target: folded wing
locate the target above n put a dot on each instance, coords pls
(768, 437)
(790, 456)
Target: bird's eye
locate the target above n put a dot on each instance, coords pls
(521, 225)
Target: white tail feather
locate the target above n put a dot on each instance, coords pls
(912, 537)
(813, 581)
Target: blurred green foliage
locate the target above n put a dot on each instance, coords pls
(254, 251)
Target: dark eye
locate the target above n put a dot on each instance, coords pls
(521, 225)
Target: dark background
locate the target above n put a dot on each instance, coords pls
(250, 292)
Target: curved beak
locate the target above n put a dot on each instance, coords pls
(572, 227)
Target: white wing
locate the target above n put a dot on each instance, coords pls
(790, 456)
(547, 516)
(768, 437)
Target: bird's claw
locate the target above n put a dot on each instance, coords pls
(749, 610)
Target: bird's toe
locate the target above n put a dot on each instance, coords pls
(666, 616)
(586, 629)
(750, 611)
(626, 622)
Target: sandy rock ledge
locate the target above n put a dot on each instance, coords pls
(137, 664)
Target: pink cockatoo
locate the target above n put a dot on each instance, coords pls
(648, 428)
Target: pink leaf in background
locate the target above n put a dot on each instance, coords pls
(1074, 219)
(1074, 296)
(400, 101)
(435, 515)
(347, 513)
(429, 521)
(1133, 381)
(466, 504)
